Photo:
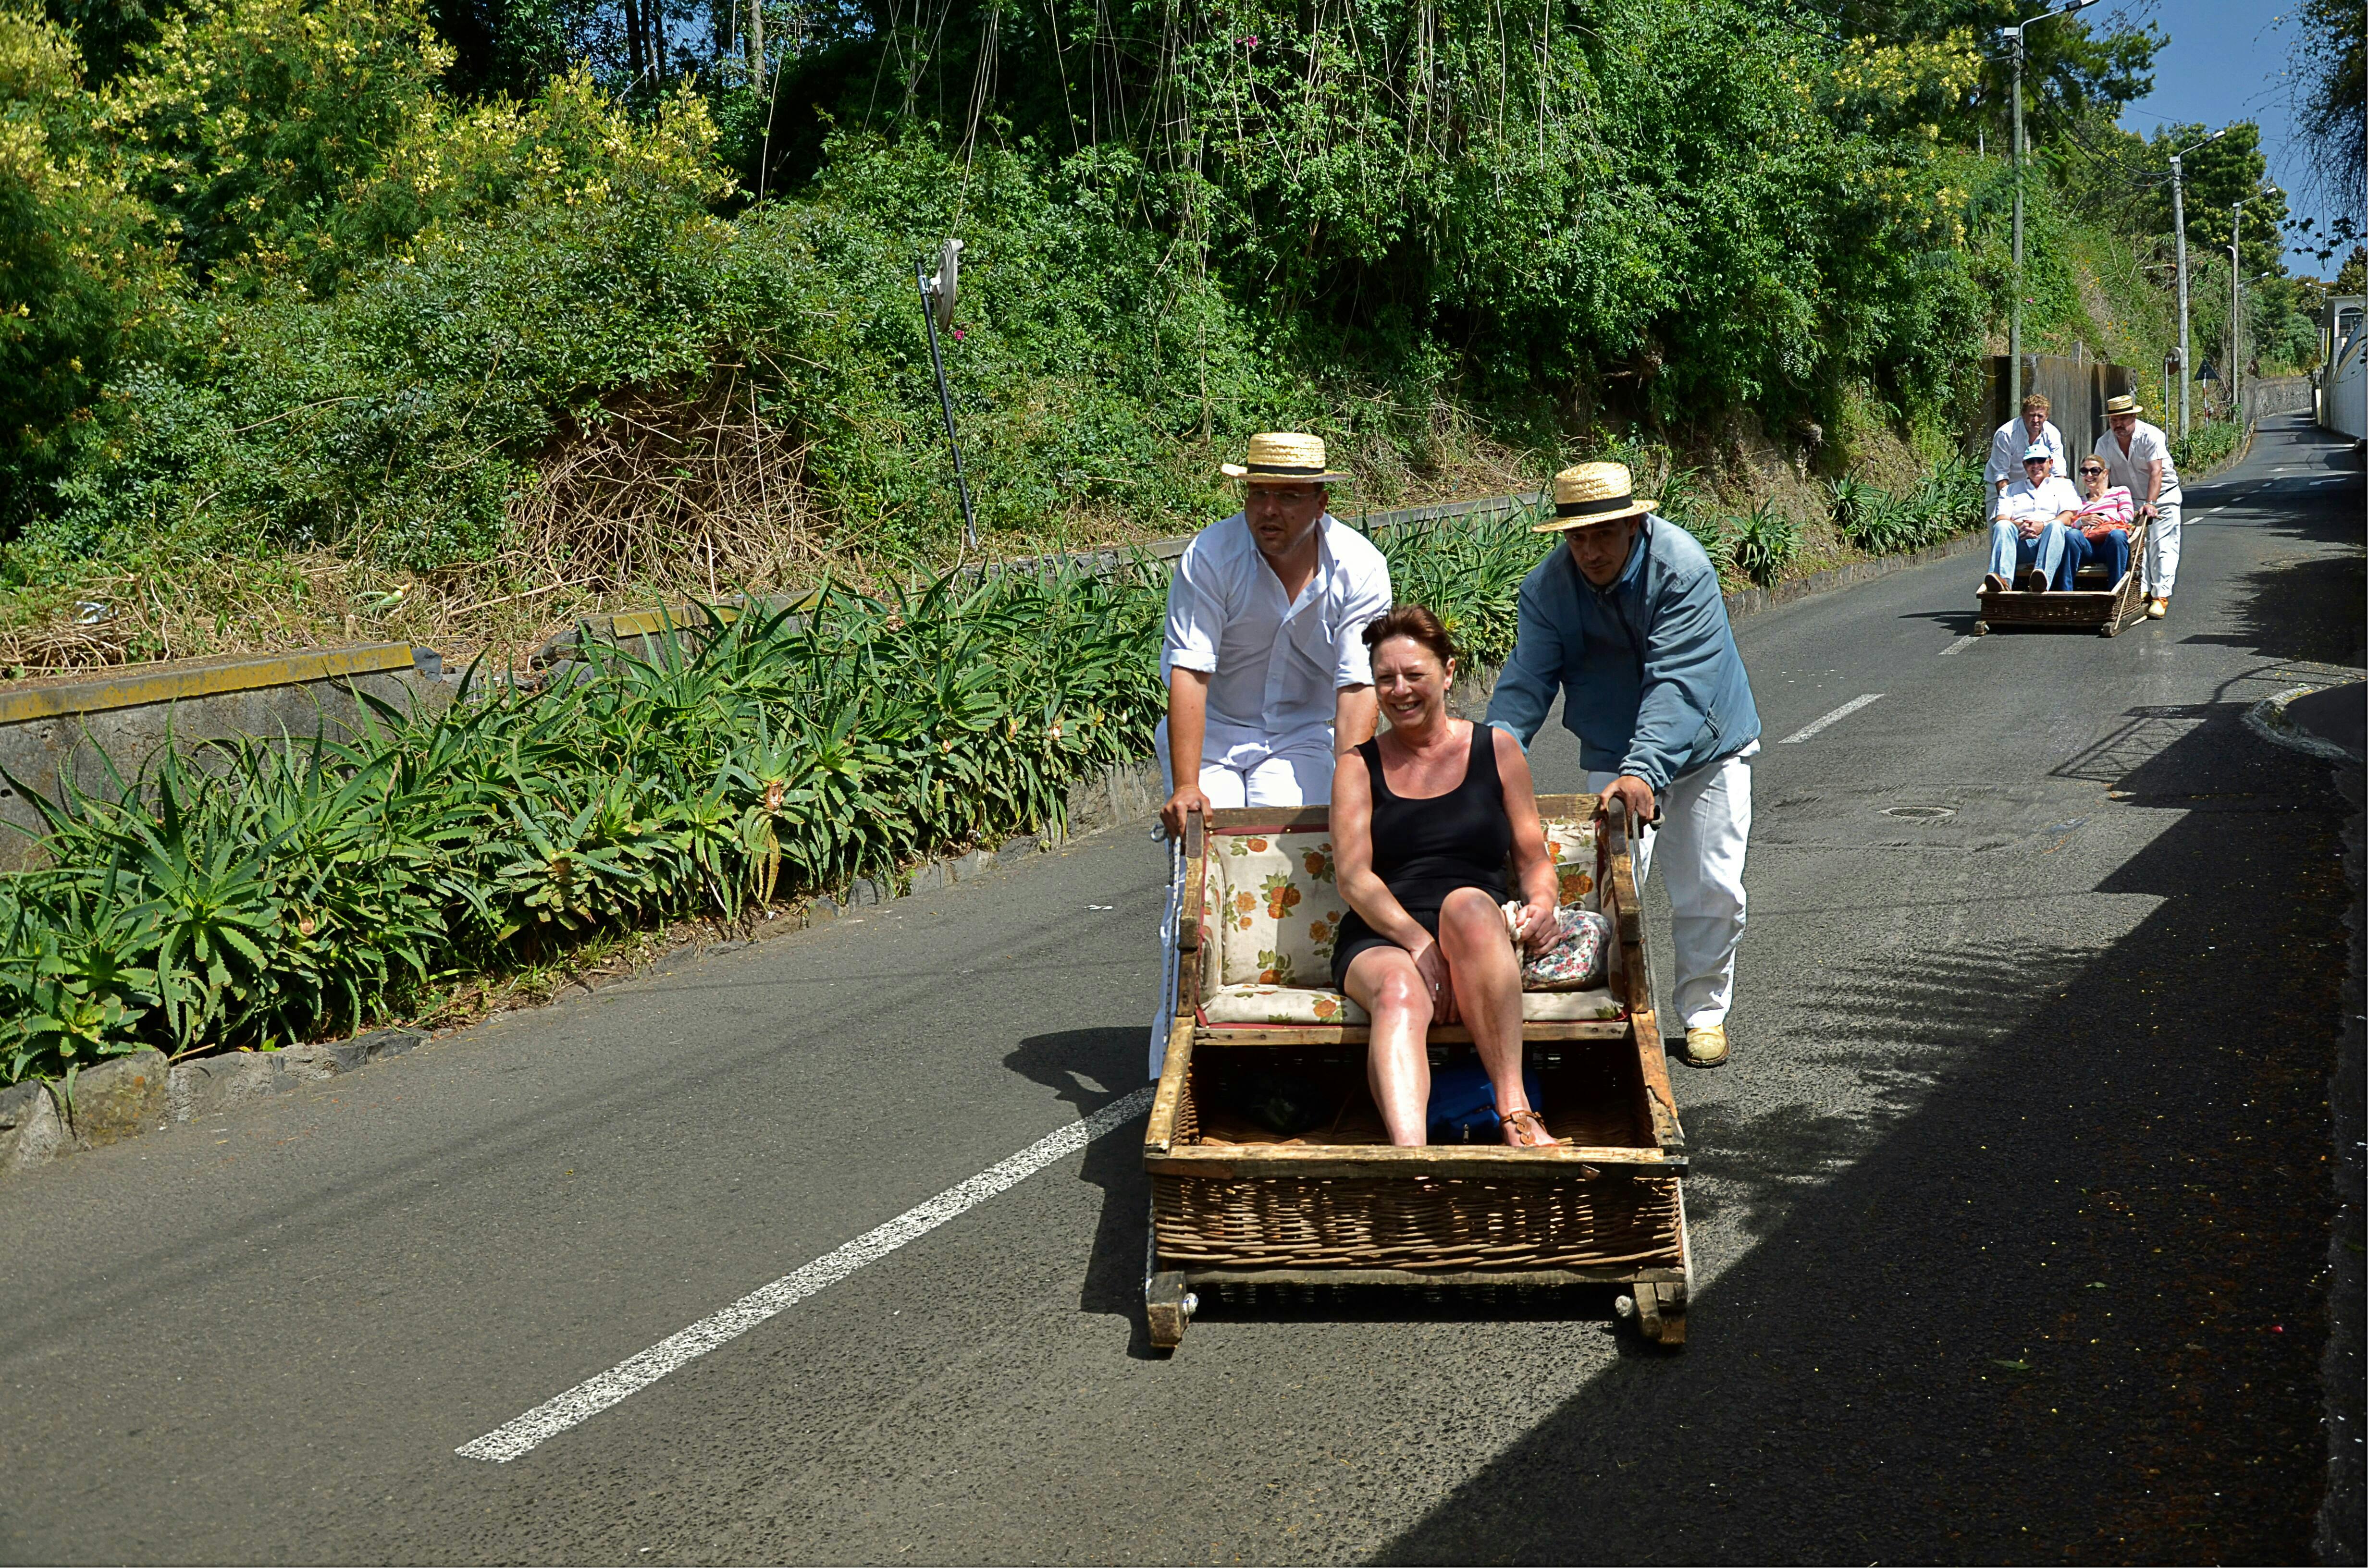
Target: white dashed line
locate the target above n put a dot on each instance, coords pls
(587, 1398)
(1844, 711)
(1960, 645)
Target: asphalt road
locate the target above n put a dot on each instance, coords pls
(2009, 1215)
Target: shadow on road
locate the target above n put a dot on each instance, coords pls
(2065, 1300)
(1075, 1063)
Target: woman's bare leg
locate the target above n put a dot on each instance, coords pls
(1384, 981)
(1487, 980)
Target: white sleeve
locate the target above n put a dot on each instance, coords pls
(2158, 449)
(2055, 445)
(1195, 617)
(2000, 466)
(1369, 597)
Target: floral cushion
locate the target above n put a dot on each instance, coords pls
(1255, 1004)
(1575, 866)
(1271, 909)
(1279, 910)
(1567, 1007)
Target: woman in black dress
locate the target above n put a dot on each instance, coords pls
(1424, 817)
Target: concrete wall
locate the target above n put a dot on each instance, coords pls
(2269, 395)
(87, 729)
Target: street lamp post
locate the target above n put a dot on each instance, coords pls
(2014, 319)
(2178, 225)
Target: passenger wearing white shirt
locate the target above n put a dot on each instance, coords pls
(2014, 437)
(2031, 536)
(2137, 455)
(1268, 679)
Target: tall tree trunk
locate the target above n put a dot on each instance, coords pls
(756, 47)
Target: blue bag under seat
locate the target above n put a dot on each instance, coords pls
(1464, 1103)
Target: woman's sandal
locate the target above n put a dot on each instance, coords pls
(1514, 1119)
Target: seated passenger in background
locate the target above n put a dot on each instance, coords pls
(2030, 541)
(1423, 818)
(2102, 527)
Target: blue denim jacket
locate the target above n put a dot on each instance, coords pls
(1651, 681)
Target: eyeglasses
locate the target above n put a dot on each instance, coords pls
(2086, 470)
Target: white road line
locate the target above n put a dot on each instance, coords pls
(1844, 711)
(587, 1398)
(1959, 646)
(2208, 514)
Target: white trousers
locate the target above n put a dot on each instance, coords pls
(1298, 776)
(2162, 551)
(1705, 828)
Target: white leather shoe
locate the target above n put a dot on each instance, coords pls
(1706, 1047)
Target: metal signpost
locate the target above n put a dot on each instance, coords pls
(937, 296)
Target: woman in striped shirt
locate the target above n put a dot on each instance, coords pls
(2101, 529)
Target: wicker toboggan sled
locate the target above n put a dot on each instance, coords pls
(1233, 1205)
(2091, 604)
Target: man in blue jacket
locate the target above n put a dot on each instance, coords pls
(1626, 622)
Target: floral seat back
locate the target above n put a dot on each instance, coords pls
(1577, 870)
(1276, 909)
(1273, 904)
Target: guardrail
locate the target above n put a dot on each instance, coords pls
(84, 727)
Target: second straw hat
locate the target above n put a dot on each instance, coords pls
(1592, 493)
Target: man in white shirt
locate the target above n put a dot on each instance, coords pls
(2014, 437)
(2030, 536)
(2137, 455)
(1268, 678)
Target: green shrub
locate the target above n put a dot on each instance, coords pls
(2206, 445)
(273, 892)
(1765, 543)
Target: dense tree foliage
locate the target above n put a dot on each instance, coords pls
(292, 274)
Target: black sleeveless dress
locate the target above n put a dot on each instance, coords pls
(1425, 850)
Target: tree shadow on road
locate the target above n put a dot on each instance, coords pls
(2059, 1294)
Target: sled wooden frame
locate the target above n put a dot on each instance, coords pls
(2104, 610)
(1469, 1215)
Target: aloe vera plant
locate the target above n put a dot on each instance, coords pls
(262, 893)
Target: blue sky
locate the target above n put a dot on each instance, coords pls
(2227, 60)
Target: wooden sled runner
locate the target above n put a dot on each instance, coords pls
(1234, 1204)
(2092, 604)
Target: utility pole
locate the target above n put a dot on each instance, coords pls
(2014, 319)
(2236, 309)
(2178, 225)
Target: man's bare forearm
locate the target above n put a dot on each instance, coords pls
(1188, 725)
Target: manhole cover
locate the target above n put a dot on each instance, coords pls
(1920, 813)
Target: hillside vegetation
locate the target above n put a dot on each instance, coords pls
(302, 339)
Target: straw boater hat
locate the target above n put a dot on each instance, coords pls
(1591, 493)
(1284, 457)
(2124, 404)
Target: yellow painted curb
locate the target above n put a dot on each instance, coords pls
(169, 685)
